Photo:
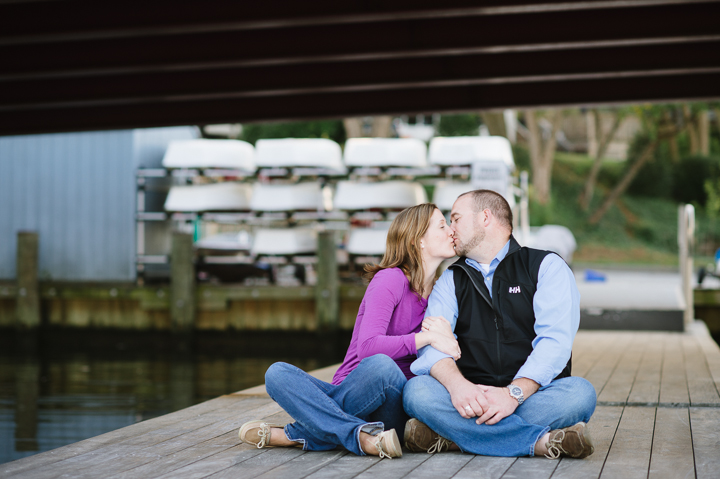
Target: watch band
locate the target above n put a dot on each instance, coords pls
(517, 393)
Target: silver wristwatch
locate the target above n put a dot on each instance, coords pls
(517, 393)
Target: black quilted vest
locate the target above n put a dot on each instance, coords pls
(495, 334)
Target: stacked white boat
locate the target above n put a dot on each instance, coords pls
(266, 204)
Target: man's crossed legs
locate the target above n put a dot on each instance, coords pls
(562, 403)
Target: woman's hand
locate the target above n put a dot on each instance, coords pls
(437, 324)
(445, 344)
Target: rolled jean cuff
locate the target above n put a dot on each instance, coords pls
(372, 428)
(545, 430)
(301, 441)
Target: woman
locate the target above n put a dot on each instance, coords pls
(362, 409)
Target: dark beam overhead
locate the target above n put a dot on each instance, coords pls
(389, 101)
(82, 64)
(374, 39)
(316, 77)
(31, 21)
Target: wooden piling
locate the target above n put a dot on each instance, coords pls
(28, 296)
(182, 284)
(327, 290)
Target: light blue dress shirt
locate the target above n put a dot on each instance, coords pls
(557, 317)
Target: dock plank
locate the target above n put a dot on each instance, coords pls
(588, 349)
(629, 456)
(705, 426)
(672, 449)
(673, 381)
(349, 465)
(212, 464)
(394, 468)
(601, 371)
(646, 387)
(485, 467)
(143, 434)
(303, 465)
(441, 466)
(535, 467)
(710, 350)
(154, 445)
(258, 464)
(112, 437)
(617, 389)
(603, 426)
(701, 387)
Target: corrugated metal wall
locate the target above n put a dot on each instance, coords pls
(77, 190)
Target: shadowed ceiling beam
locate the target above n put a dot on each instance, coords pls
(32, 21)
(386, 39)
(392, 101)
(360, 75)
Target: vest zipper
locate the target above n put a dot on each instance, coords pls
(497, 348)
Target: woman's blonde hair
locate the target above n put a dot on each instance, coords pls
(402, 248)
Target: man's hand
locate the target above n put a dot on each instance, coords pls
(468, 399)
(500, 405)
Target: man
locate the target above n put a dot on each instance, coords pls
(515, 312)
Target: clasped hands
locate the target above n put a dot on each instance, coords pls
(489, 404)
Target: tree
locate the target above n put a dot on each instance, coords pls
(604, 140)
(542, 152)
(660, 126)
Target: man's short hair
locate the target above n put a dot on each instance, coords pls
(493, 201)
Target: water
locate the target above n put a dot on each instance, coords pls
(60, 387)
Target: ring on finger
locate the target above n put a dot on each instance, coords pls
(468, 408)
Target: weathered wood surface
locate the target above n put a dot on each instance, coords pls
(658, 416)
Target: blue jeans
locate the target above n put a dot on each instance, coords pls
(368, 400)
(562, 403)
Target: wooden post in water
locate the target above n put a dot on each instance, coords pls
(182, 284)
(327, 290)
(27, 310)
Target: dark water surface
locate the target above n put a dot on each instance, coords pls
(59, 386)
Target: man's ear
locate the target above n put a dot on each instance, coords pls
(485, 217)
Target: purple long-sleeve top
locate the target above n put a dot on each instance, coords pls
(389, 316)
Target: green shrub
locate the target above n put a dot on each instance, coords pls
(655, 178)
(690, 175)
(332, 129)
(465, 124)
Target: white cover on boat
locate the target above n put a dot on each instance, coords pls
(229, 196)
(465, 150)
(202, 153)
(283, 197)
(232, 241)
(299, 152)
(367, 241)
(354, 195)
(284, 241)
(556, 238)
(369, 152)
(447, 192)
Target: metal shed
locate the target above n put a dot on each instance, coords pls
(77, 190)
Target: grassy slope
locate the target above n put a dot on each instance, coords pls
(637, 230)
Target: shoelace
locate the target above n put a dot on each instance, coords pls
(381, 452)
(264, 435)
(554, 446)
(439, 445)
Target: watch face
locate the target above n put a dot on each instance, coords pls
(516, 392)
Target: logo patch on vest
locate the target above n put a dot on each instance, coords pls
(515, 289)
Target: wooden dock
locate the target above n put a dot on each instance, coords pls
(658, 416)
